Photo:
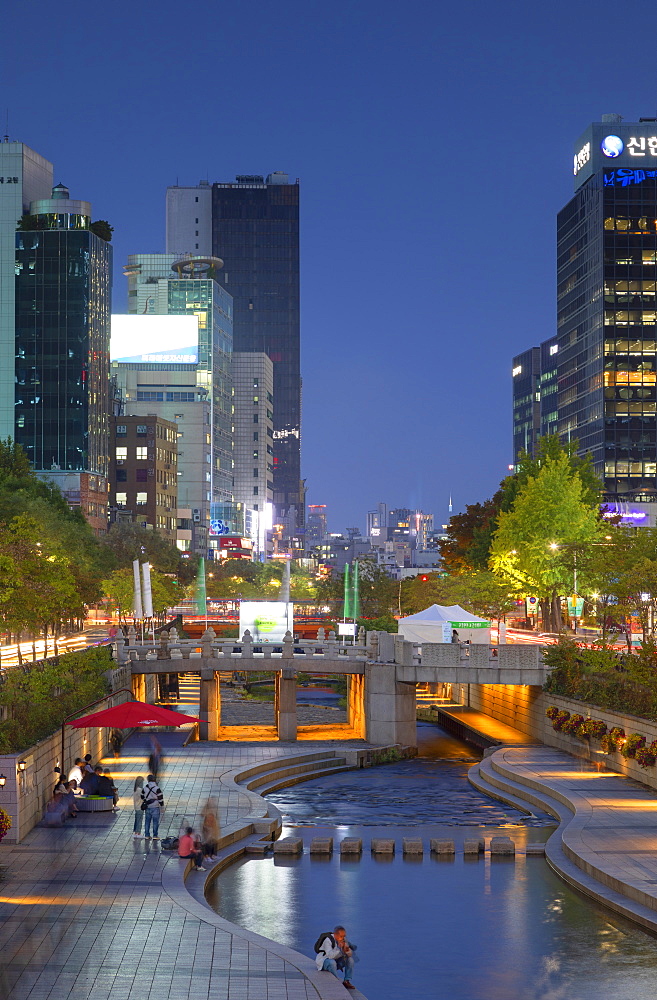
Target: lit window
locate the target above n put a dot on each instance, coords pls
(141, 429)
(142, 499)
(255, 454)
(121, 499)
(554, 348)
(141, 453)
(121, 454)
(517, 370)
(121, 430)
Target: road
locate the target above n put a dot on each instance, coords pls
(91, 636)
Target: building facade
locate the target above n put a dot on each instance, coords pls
(252, 224)
(168, 285)
(253, 422)
(25, 176)
(144, 474)
(62, 398)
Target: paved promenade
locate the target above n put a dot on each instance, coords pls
(87, 911)
(606, 844)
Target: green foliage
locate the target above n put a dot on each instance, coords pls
(378, 592)
(481, 593)
(119, 589)
(102, 229)
(127, 542)
(27, 223)
(40, 696)
(384, 623)
(603, 678)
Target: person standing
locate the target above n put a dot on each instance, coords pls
(210, 828)
(153, 800)
(335, 953)
(136, 802)
(75, 774)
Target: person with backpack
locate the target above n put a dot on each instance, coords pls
(335, 953)
(152, 801)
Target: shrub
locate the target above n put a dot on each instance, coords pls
(612, 740)
(646, 756)
(572, 725)
(5, 823)
(560, 720)
(593, 729)
(552, 712)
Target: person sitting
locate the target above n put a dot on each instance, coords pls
(115, 791)
(88, 766)
(334, 952)
(71, 789)
(188, 848)
(89, 783)
(75, 774)
(104, 785)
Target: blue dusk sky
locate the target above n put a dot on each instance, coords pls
(434, 146)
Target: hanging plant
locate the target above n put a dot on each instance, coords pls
(560, 720)
(612, 740)
(572, 725)
(5, 823)
(593, 729)
(630, 746)
(552, 712)
(646, 756)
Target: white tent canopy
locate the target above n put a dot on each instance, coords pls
(434, 624)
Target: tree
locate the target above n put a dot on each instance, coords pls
(119, 589)
(469, 536)
(534, 542)
(128, 542)
(102, 229)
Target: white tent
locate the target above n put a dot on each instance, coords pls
(435, 624)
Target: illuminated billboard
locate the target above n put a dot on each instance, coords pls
(163, 340)
(267, 621)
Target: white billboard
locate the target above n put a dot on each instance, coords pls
(163, 340)
(267, 621)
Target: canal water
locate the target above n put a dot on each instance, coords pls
(463, 929)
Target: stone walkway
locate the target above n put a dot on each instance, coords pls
(86, 911)
(606, 844)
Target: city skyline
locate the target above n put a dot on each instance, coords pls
(432, 164)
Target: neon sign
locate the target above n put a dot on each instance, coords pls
(623, 177)
(612, 145)
(582, 158)
(626, 515)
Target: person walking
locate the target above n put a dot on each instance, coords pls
(153, 803)
(136, 802)
(155, 758)
(335, 953)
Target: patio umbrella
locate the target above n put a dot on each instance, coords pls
(131, 714)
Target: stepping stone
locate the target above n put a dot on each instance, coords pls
(502, 845)
(536, 849)
(382, 845)
(351, 845)
(442, 846)
(321, 845)
(288, 845)
(259, 848)
(472, 846)
(410, 845)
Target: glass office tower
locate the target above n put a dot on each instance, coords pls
(252, 224)
(62, 326)
(607, 311)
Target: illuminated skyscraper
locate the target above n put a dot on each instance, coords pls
(252, 224)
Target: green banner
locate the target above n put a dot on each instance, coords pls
(470, 624)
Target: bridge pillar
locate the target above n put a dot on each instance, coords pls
(356, 704)
(209, 707)
(285, 704)
(390, 713)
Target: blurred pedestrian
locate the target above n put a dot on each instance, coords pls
(136, 802)
(155, 758)
(210, 828)
(117, 743)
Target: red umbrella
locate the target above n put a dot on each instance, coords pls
(133, 713)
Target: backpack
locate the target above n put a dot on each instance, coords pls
(320, 940)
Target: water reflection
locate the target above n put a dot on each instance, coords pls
(431, 929)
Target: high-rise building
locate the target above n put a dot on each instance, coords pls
(316, 530)
(24, 177)
(164, 284)
(253, 422)
(607, 305)
(534, 389)
(62, 332)
(252, 224)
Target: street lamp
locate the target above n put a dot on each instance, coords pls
(3, 781)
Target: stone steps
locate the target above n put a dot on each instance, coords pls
(295, 779)
(485, 778)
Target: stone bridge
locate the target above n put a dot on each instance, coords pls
(381, 669)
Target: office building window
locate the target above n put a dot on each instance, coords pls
(255, 491)
(121, 499)
(121, 430)
(121, 475)
(141, 453)
(141, 475)
(142, 498)
(141, 430)
(255, 435)
(121, 454)
(255, 473)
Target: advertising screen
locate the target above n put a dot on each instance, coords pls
(267, 621)
(164, 340)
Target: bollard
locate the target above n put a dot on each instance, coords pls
(442, 846)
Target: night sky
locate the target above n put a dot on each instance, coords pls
(434, 146)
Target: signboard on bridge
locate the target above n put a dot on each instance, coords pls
(267, 621)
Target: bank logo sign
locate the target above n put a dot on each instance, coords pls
(612, 145)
